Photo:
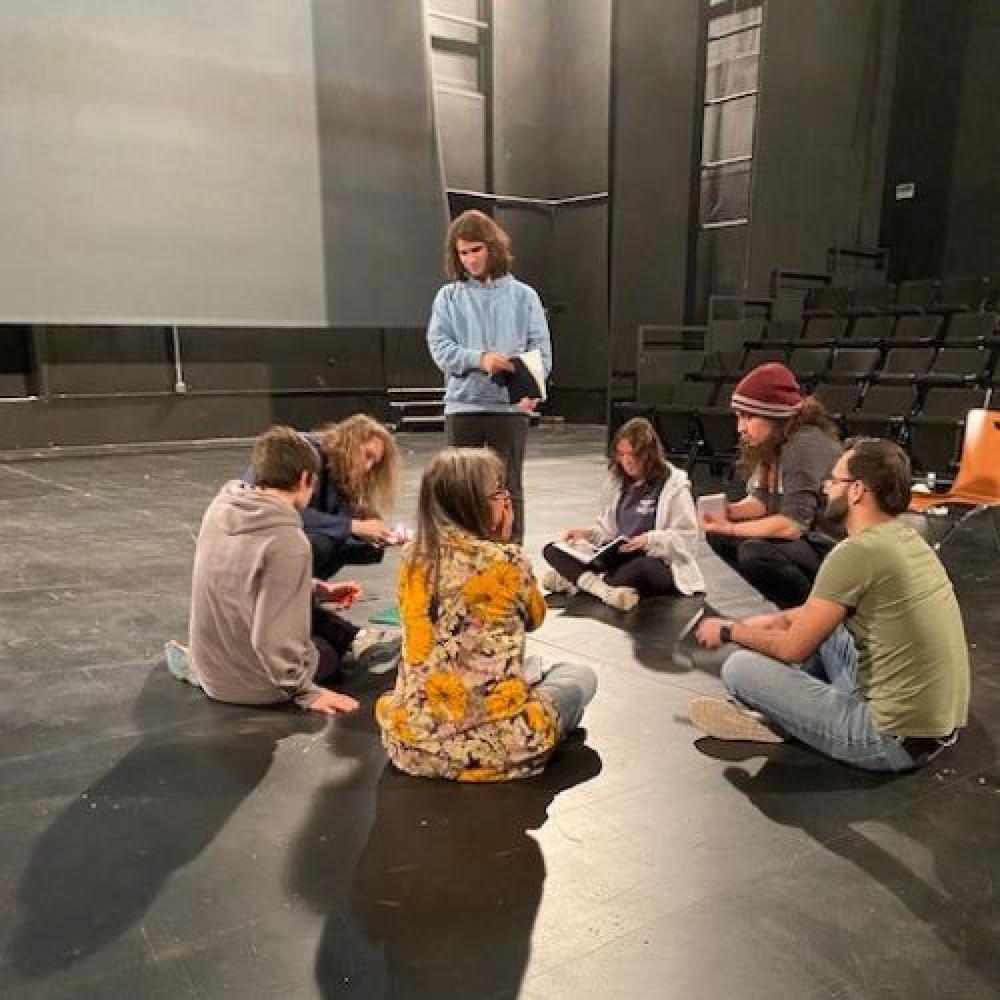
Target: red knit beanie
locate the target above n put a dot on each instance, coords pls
(768, 391)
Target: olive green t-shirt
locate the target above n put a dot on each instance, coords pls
(913, 661)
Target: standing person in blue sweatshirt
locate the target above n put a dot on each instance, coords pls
(480, 320)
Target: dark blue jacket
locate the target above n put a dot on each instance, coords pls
(329, 514)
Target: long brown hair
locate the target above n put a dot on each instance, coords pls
(371, 494)
(455, 492)
(477, 227)
(646, 444)
(763, 456)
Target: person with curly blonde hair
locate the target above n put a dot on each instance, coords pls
(344, 520)
(356, 489)
(467, 704)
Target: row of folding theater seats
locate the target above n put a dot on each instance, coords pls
(914, 297)
(910, 349)
(918, 396)
(861, 331)
(926, 420)
(928, 424)
(949, 363)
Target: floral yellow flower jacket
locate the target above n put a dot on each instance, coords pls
(461, 707)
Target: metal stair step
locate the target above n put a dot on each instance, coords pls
(403, 404)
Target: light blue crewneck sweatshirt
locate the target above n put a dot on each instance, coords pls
(470, 317)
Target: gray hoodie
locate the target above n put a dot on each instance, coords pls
(251, 601)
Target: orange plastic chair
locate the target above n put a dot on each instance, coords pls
(977, 484)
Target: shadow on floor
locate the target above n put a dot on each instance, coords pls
(652, 629)
(98, 868)
(929, 838)
(442, 897)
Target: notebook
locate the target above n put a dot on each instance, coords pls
(597, 558)
(527, 380)
(388, 616)
(713, 505)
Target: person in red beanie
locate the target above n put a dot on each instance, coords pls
(776, 537)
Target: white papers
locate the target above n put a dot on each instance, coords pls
(691, 625)
(532, 360)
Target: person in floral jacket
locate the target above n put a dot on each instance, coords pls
(464, 706)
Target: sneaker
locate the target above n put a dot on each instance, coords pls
(556, 584)
(725, 720)
(179, 663)
(374, 645)
(622, 598)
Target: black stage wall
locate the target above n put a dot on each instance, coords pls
(945, 141)
(266, 177)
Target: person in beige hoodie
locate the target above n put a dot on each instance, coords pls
(252, 588)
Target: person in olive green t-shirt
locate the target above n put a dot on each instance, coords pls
(884, 676)
(913, 662)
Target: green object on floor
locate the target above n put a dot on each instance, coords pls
(390, 616)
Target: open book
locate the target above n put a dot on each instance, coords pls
(527, 380)
(597, 558)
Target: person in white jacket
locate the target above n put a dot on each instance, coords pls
(647, 501)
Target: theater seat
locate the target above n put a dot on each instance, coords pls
(913, 297)
(957, 366)
(917, 329)
(905, 364)
(970, 327)
(853, 363)
(871, 300)
(936, 431)
(958, 295)
(884, 410)
(839, 401)
(977, 484)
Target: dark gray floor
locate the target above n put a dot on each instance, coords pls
(155, 845)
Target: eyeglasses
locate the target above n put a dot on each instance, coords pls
(500, 493)
(840, 479)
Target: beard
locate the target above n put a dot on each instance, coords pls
(836, 509)
(759, 457)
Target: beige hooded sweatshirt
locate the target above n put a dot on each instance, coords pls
(251, 601)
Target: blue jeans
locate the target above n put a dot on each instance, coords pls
(819, 704)
(571, 686)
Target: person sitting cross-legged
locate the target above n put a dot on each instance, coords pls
(252, 589)
(873, 669)
(468, 704)
(648, 501)
(776, 537)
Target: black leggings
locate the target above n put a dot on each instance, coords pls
(651, 577)
(332, 636)
(783, 570)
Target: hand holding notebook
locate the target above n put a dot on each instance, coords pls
(596, 558)
(527, 380)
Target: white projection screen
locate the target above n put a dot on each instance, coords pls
(159, 163)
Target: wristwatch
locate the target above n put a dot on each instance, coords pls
(726, 632)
